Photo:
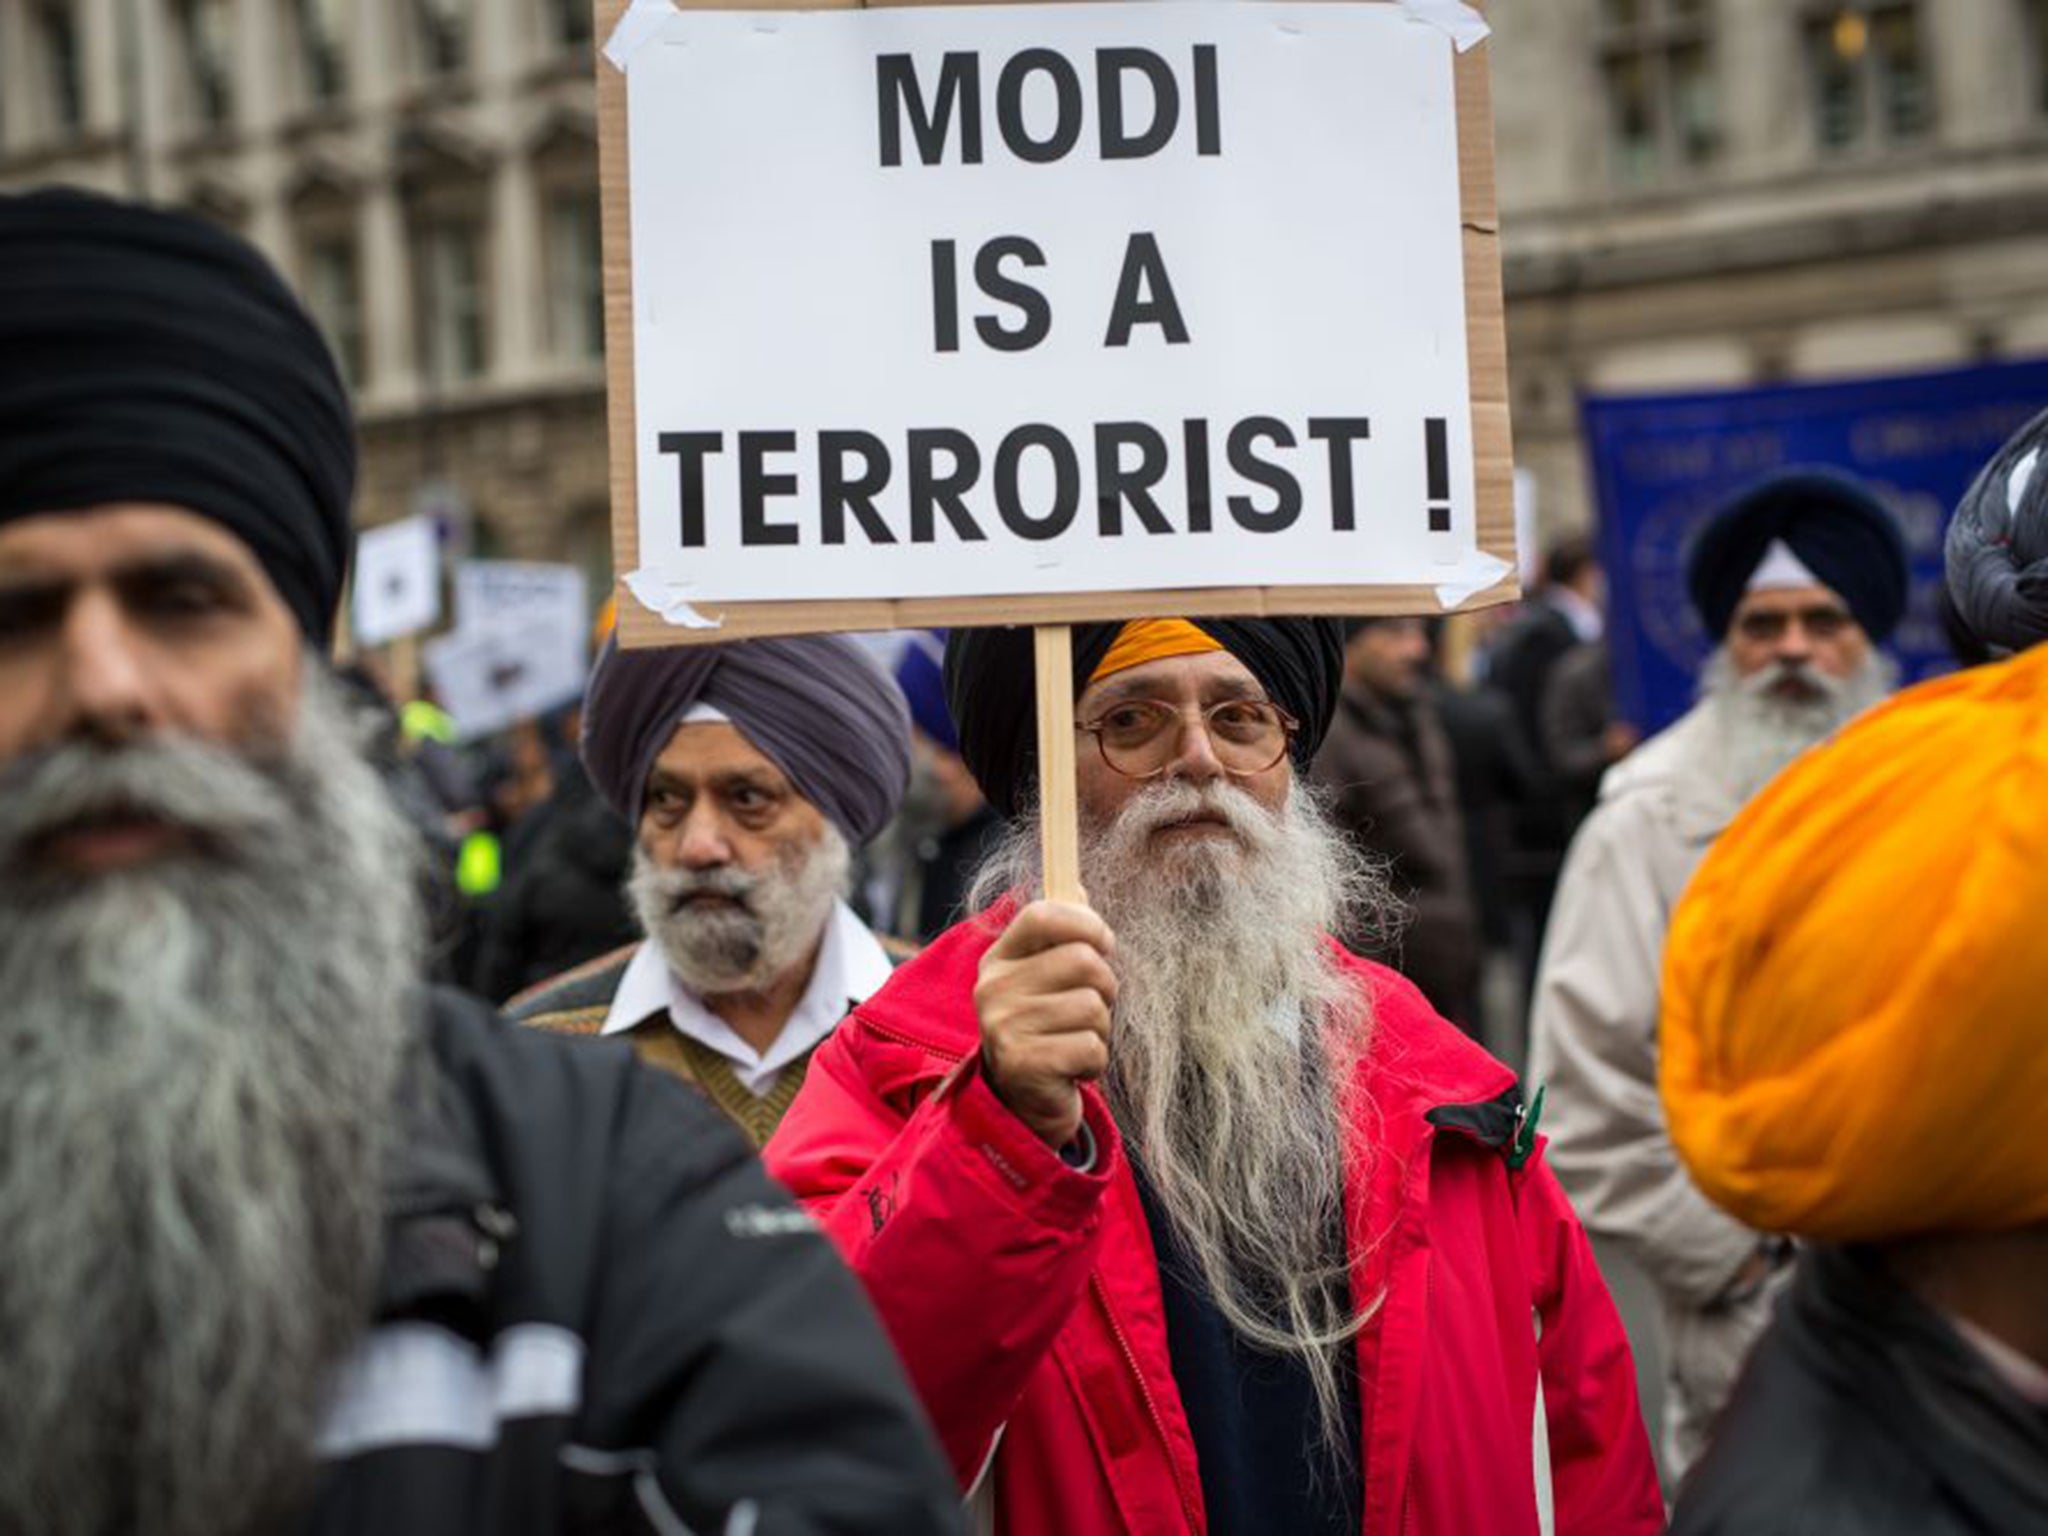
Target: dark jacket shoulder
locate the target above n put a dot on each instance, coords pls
(564, 1003)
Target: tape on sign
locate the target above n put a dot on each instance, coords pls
(1465, 27)
(660, 598)
(642, 20)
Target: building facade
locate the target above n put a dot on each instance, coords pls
(1695, 193)
(1702, 194)
(424, 170)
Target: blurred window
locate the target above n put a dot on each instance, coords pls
(319, 31)
(441, 37)
(1868, 71)
(2037, 21)
(206, 39)
(334, 295)
(62, 69)
(1663, 101)
(576, 275)
(448, 257)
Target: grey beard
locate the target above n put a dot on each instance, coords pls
(781, 913)
(1233, 1063)
(1759, 733)
(202, 1055)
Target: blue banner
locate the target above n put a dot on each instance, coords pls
(1661, 464)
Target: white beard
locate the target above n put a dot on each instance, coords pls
(1237, 1037)
(776, 919)
(202, 1056)
(1759, 731)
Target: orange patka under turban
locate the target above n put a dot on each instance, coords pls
(1855, 1008)
(1144, 640)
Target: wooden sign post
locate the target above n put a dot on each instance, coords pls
(968, 315)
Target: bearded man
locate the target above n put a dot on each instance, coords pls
(750, 772)
(1295, 1265)
(292, 1243)
(1794, 579)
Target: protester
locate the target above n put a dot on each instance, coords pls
(750, 771)
(1387, 766)
(292, 1244)
(1794, 579)
(1581, 738)
(1295, 1265)
(1853, 1056)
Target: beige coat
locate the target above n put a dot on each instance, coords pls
(1593, 1045)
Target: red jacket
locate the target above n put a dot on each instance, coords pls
(1025, 1297)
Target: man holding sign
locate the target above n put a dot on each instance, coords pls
(1295, 1265)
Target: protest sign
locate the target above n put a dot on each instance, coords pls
(491, 676)
(1030, 314)
(974, 314)
(491, 592)
(397, 584)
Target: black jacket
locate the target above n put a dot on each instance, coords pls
(1863, 1413)
(598, 1314)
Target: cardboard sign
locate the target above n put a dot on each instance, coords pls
(495, 592)
(490, 677)
(995, 314)
(397, 589)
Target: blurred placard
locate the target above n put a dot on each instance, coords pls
(397, 581)
(491, 677)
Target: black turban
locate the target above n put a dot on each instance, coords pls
(1835, 525)
(991, 686)
(1996, 557)
(817, 706)
(146, 356)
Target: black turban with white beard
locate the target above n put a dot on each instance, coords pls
(817, 706)
(146, 356)
(991, 683)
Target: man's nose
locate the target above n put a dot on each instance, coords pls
(108, 691)
(1195, 760)
(1795, 643)
(701, 841)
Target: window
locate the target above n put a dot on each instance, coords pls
(568, 23)
(206, 39)
(319, 29)
(2037, 40)
(334, 295)
(62, 68)
(1867, 64)
(451, 295)
(1663, 109)
(576, 276)
(441, 33)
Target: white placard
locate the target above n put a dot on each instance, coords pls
(488, 678)
(397, 588)
(491, 592)
(834, 311)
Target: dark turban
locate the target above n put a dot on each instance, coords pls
(146, 356)
(1996, 558)
(817, 706)
(1835, 525)
(991, 684)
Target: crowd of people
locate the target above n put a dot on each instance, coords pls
(906, 1199)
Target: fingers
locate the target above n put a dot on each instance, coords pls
(1049, 924)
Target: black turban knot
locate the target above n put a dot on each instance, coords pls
(1996, 558)
(146, 356)
(1835, 525)
(991, 687)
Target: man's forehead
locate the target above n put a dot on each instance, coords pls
(1788, 599)
(1217, 673)
(80, 545)
(708, 749)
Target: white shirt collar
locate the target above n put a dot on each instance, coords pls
(1585, 618)
(852, 965)
(2026, 1378)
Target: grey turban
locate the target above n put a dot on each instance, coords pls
(817, 706)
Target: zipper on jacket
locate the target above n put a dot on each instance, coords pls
(1145, 1391)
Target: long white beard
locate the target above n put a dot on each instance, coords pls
(1233, 1063)
(775, 920)
(1759, 731)
(201, 1055)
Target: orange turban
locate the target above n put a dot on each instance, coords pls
(1855, 1006)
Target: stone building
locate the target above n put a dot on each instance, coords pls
(1695, 193)
(425, 170)
(1716, 193)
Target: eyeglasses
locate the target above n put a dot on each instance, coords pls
(1140, 738)
(1823, 621)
